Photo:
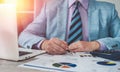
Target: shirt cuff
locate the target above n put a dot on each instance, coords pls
(39, 44)
(102, 46)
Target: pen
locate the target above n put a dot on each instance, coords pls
(68, 51)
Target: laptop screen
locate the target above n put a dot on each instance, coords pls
(8, 31)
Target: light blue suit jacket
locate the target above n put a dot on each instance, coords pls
(103, 24)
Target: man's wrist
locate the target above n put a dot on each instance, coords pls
(95, 45)
(43, 45)
(102, 45)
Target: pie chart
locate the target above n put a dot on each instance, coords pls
(64, 65)
(107, 63)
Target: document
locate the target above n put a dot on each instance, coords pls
(59, 63)
(77, 62)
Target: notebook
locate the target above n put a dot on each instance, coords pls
(8, 36)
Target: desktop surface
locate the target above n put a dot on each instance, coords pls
(10, 66)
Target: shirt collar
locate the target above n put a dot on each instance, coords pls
(83, 2)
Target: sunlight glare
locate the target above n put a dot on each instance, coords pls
(10, 1)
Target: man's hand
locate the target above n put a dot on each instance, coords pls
(84, 46)
(54, 46)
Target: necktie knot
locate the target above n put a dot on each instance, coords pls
(77, 3)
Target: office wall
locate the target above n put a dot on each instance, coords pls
(116, 2)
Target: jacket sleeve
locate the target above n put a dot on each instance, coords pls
(34, 32)
(113, 42)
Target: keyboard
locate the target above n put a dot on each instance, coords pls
(21, 53)
(108, 54)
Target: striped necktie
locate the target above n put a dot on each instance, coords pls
(75, 32)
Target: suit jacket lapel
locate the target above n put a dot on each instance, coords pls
(62, 14)
(93, 21)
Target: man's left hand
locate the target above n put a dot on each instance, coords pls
(84, 46)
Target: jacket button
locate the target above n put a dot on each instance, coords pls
(114, 46)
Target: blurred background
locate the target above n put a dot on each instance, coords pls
(27, 10)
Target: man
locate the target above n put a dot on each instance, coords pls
(99, 27)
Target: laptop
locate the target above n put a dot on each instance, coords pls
(9, 36)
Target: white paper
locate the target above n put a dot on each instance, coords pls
(84, 64)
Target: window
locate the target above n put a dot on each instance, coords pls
(27, 10)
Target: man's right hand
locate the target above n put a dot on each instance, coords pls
(54, 46)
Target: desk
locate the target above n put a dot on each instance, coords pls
(10, 66)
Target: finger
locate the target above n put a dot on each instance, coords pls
(76, 47)
(56, 48)
(53, 48)
(49, 48)
(60, 43)
(65, 45)
(72, 46)
(53, 51)
(88, 49)
(77, 50)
